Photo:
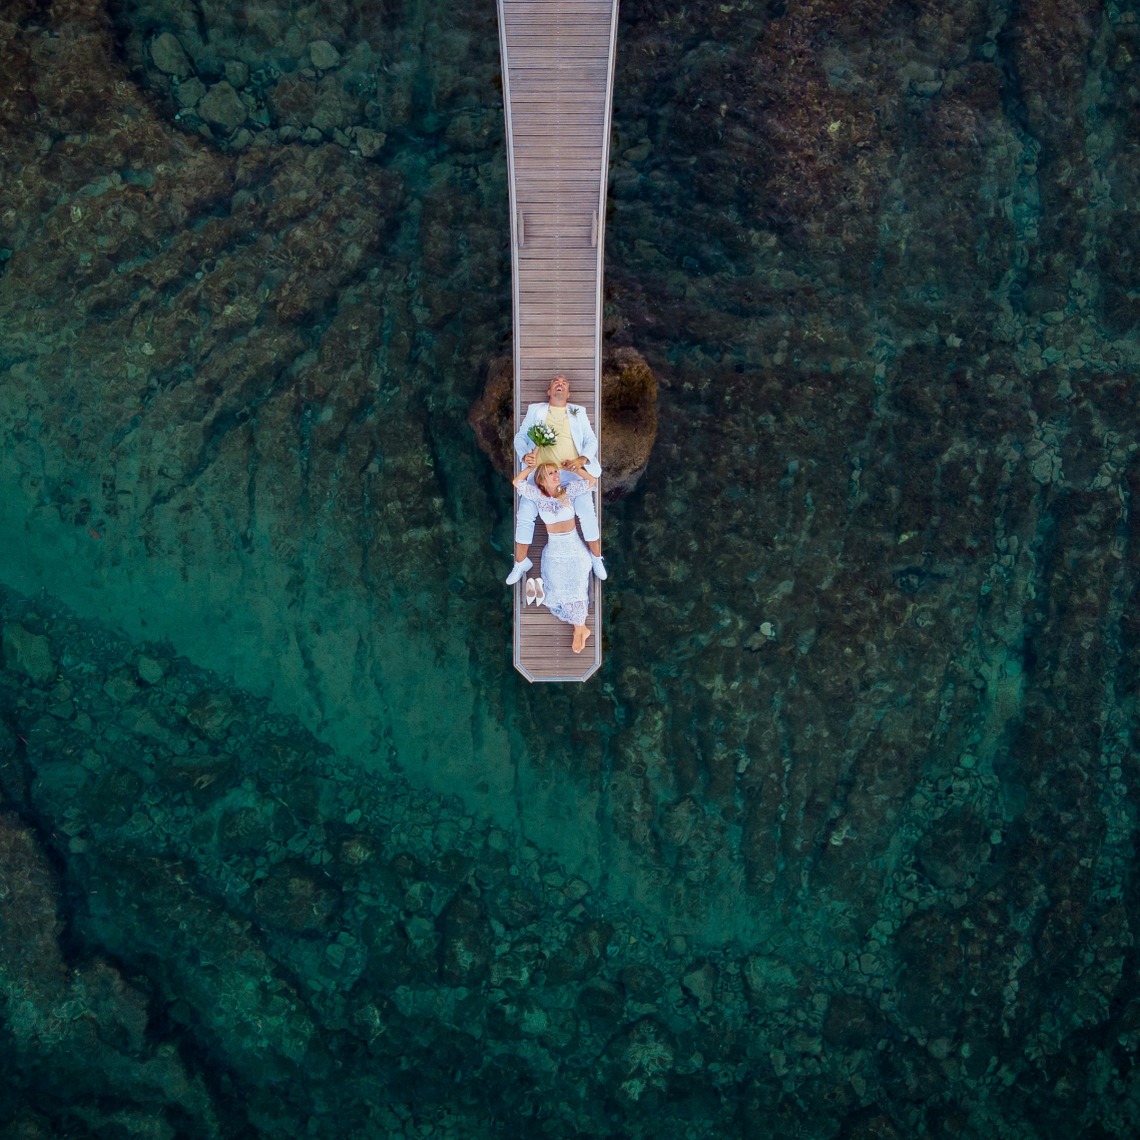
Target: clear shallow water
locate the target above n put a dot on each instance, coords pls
(866, 877)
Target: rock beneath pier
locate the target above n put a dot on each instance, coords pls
(628, 420)
(491, 416)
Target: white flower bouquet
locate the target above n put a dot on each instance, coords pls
(542, 435)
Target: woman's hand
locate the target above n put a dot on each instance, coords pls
(529, 461)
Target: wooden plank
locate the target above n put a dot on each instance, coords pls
(570, 78)
(580, 35)
(542, 123)
(571, 86)
(568, 98)
(558, 57)
(558, 53)
(580, 39)
(577, 327)
(531, 47)
(575, 321)
(570, 329)
(544, 290)
(539, 156)
(565, 301)
(553, 272)
(554, 114)
(576, 21)
(540, 233)
(551, 260)
(544, 296)
(574, 345)
(552, 359)
(557, 283)
(577, 152)
(547, 297)
(546, 355)
(573, 256)
(554, 15)
(573, 260)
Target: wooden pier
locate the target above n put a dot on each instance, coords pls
(558, 75)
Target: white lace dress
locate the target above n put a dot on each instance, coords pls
(566, 562)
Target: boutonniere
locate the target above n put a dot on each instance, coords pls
(575, 411)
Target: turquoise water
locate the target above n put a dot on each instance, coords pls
(838, 843)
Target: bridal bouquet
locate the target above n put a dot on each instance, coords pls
(542, 435)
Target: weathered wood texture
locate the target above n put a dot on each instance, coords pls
(558, 66)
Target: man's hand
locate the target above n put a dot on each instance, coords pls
(531, 457)
(575, 465)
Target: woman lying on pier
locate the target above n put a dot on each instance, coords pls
(566, 562)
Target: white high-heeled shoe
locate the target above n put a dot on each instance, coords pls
(539, 592)
(530, 592)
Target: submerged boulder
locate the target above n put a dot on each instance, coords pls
(628, 426)
(629, 419)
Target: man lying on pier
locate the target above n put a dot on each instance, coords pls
(575, 449)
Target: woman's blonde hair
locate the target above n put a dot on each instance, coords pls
(538, 471)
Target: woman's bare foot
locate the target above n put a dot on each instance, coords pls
(581, 636)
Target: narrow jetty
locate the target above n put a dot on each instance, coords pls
(558, 76)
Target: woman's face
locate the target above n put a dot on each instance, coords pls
(547, 479)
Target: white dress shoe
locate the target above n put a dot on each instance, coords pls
(539, 592)
(530, 592)
(518, 570)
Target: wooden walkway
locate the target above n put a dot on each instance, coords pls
(558, 68)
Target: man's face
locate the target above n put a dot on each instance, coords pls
(558, 390)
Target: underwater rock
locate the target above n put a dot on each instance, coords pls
(296, 898)
(700, 984)
(324, 56)
(189, 93)
(953, 849)
(150, 670)
(369, 141)
(629, 419)
(211, 714)
(121, 687)
(223, 108)
(851, 1022)
(492, 416)
(628, 426)
(78, 1036)
(28, 652)
(465, 940)
(169, 56)
(583, 953)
